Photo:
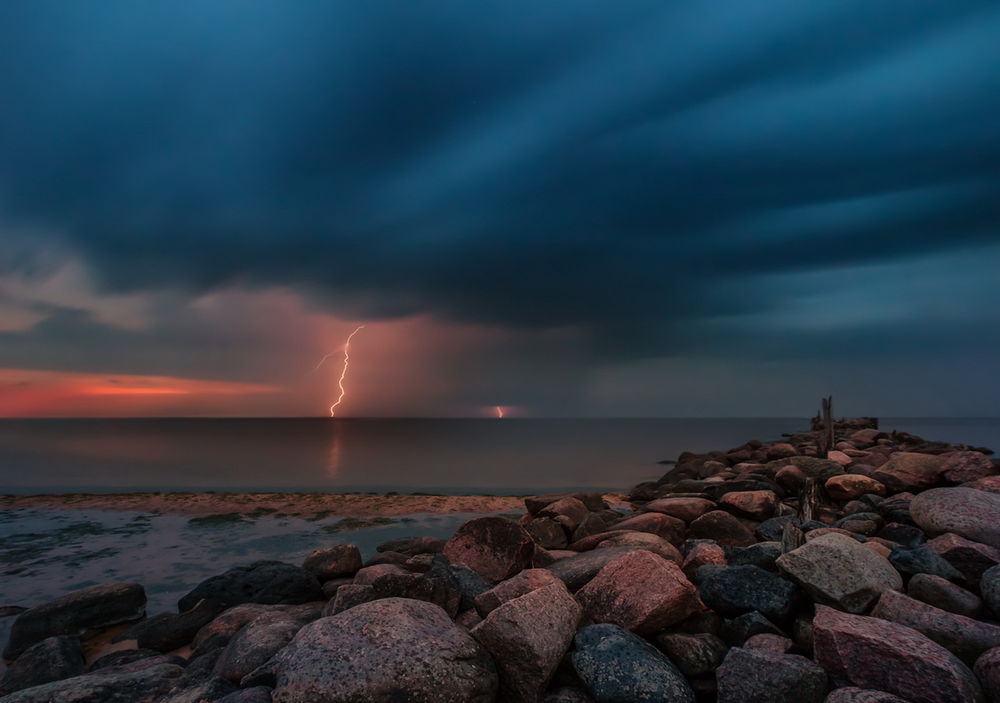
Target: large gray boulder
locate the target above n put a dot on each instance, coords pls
(837, 570)
(968, 512)
(389, 650)
(268, 582)
(52, 659)
(760, 676)
(145, 685)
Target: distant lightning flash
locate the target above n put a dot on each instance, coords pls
(499, 412)
(343, 372)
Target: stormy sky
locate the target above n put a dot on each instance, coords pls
(719, 208)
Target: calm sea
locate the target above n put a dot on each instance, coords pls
(509, 456)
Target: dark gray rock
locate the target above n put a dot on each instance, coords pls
(439, 591)
(735, 590)
(267, 582)
(52, 659)
(761, 676)
(736, 631)
(771, 529)
(257, 694)
(207, 691)
(694, 654)
(328, 563)
(617, 666)
(168, 631)
(126, 656)
(77, 613)
(255, 644)
(147, 685)
(762, 554)
(908, 536)
(412, 546)
(944, 594)
(989, 586)
(921, 560)
(577, 570)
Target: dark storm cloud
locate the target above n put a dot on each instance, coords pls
(633, 168)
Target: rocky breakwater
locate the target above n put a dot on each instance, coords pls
(766, 573)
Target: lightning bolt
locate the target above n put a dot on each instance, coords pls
(499, 412)
(343, 372)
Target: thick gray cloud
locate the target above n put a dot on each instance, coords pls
(658, 173)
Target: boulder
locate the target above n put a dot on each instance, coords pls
(349, 596)
(168, 631)
(221, 629)
(641, 540)
(760, 676)
(617, 666)
(756, 505)
(967, 512)
(694, 654)
(256, 694)
(909, 471)
(571, 509)
(809, 466)
(514, 587)
(762, 554)
(392, 649)
(641, 592)
(989, 586)
(836, 570)
(776, 644)
(547, 533)
(736, 631)
(493, 547)
(970, 558)
(962, 636)
(923, 561)
(145, 685)
(328, 563)
(669, 528)
(772, 529)
(210, 689)
(736, 590)
(528, 637)
(367, 575)
(987, 670)
(52, 659)
(682, 508)
(80, 612)
(267, 582)
(703, 554)
(411, 546)
(941, 593)
(852, 486)
(441, 591)
(874, 653)
(575, 571)
(255, 644)
(965, 466)
(853, 694)
(722, 527)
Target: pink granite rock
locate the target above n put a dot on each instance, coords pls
(686, 509)
(669, 528)
(851, 486)
(723, 528)
(964, 466)
(528, 637)
(700, 555)
(493, 547)
(987, 670)
(971, 558)
(756, 505)
(643, 540)
(909, 471)
(967, 512)
(873, 653)
(514, 587)
(641, 592)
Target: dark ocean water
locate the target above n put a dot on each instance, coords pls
(508, 456)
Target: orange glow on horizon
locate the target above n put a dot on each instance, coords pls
(39, 393)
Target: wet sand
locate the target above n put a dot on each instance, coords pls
(259, 504)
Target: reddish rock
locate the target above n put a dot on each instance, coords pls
(723, 528)
(642, 540)
(851, 486)
(493, 547)
(769, 642)
(578, 569)
(868, 435)
(702, 554)
(780, 450)
(756, 505)
(394, 649)
(366, 576)
(514, 587)
(963, 466)
(873, 653)
(640, 592)
(686, 509)
(820, 531)
(694, 654)
(572, 510)
(839, 457)
(967, 512)
(909, 471)
(987, 670)
(791, 478)
(330, 562)
(255, 644)
(990, 484)
(971, 558)
(528, 637)
(547, 533)
(669, 528)
(964, 637)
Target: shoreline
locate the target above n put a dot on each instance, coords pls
(268, 504)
